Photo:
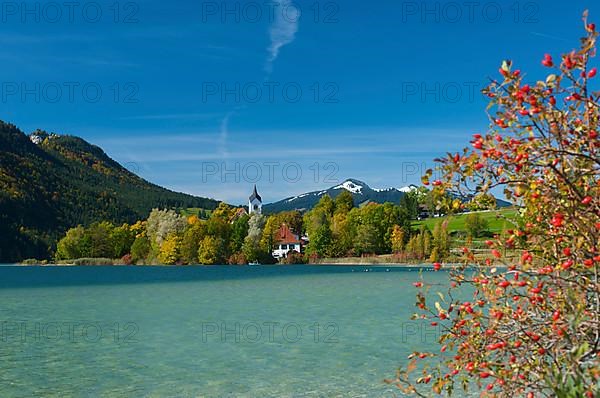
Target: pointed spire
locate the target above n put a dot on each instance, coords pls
(255, 195)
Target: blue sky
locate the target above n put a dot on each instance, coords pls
(209, 97)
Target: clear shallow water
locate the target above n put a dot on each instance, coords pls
(206, 331)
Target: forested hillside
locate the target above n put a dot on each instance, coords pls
(63, 181)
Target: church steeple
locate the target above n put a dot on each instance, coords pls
(255, 202)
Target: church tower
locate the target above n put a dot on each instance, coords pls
(255, 202)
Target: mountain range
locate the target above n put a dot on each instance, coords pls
(361, 193)
(49, 183)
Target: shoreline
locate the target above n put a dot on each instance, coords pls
(325, 264)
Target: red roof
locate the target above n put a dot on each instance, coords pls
(286, 236)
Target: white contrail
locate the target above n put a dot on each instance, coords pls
(283, 30)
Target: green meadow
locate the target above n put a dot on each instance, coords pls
(498, 220)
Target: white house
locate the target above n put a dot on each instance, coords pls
(287, 242)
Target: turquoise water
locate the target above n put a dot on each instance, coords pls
(206, 331)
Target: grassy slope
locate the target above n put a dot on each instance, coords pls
(496, 220)
(195, 211)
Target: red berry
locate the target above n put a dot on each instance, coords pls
(587, 200)
(547, 61)
(567, 264)
(518, 343)
(504, 284)
(557, 220)
(592, 73)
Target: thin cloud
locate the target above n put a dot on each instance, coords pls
(547, 36)
(282, 31)
(174, 116)
(224, 135)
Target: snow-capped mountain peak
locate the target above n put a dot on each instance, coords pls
(360, 191)
(408, 188)
(351, 186)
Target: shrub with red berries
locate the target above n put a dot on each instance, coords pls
(532, 325)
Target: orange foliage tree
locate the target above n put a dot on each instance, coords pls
(532, 325)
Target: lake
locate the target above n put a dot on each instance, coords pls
(287, 331)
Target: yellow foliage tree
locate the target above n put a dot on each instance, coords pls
(397, 239)
(210, 250)
(170, 250)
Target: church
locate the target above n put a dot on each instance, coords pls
(255, 202)
(286, 241)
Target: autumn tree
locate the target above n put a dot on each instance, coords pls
(482, 201)
(343, 231)
(367, 239)
(170, 250)
(100, 236)
(219, 227)
(317, 223)
(441, 242)
(419, 244)
(74, 244)
(162, 223)
(210, 250)
(397, 239)
(122, 238)
(269, 234)
(344, 202)
(190, 242)
(293, 219)
(475, 225)
(252, 248)
(531, 327)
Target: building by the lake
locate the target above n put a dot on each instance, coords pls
(286, 242)
(255, 202)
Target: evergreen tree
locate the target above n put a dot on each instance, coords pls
(239, 232)
(140, 249)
